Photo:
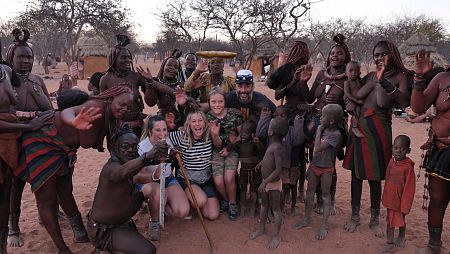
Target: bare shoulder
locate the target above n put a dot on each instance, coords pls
(37, 79)
(109, 168)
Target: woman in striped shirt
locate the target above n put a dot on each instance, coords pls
(195, 144)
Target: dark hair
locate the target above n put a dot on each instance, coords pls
(71, 98)
(95, 79)
(191, 53)
(395, 55)
(405, 140)
(125, 129)
(280, 127)
(340, 42)
(249, 126)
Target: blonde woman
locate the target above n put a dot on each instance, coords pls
(195, 143)
(147, 180)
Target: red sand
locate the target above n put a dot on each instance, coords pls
(187, 236)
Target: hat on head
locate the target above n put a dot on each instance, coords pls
(244, 76)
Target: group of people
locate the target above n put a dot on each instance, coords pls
(208, 124)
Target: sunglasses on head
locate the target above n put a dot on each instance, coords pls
(244, 78)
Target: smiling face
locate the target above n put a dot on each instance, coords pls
(217, 104)
(197, 125)
(191, 62)
(127, 147)
(22, 59)
(123, 62)
(158, 132)
(121, 104)
(216, 66)
(245, 92)
(337, 57)
(381, 56)
(171, 69)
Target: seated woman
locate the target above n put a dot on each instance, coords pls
(147, 180)
(196, 147)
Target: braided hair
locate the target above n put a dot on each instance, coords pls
(112, 92)
(339, 39)
(160, 75)
(298, 52)
(125, 129)
(122, 42)
(395, 55)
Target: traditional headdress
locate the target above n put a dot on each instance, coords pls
(19, 40)
(395, 55)
(122, 42)
(298, 51)
(340, 42)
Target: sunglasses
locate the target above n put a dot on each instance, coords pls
(244, 78)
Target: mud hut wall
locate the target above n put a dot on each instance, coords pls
(94, 64)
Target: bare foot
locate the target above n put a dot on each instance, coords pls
(400, 242)
(351, 226)
(376, 229)
(333, 210)
(322, 233)
(15, 240)
(273, 244)
(387, 248)
(357, 132)
(257, 232)
(303, 223)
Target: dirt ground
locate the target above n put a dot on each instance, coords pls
(187, 236)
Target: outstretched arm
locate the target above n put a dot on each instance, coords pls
(132, 167)
(81, 117)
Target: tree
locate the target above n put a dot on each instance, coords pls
(70, 17)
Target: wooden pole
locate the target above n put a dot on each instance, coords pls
(194, 199)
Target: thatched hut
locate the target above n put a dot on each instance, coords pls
(414, 44)
(92, 52)
(265, 59)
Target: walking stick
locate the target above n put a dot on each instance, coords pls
(194, 199)
(162, 194)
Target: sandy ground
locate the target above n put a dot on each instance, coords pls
(187, 236)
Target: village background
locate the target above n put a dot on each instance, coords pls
(260, 34)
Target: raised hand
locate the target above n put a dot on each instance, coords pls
(202, 66)
(180, 96)
(381, 70)
(170, 120)
(84, 119)
(214, 128)
(159, 151)
(232, 137)
(304, 73)
(423, 63)
(144, 73)
(43, 119)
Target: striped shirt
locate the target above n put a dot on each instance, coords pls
(196, 159)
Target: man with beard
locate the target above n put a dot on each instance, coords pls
(249, 102)
(204, 82)
(110, 225)
(120, 72)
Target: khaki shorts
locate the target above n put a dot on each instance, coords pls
(220, 164)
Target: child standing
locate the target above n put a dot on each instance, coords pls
(351, 88)
(398, 193)
(271, 185)
(322, 167)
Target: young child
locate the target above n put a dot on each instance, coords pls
(351, 87)
(326, 146)
(290, 144)
(271, 185)
(251, 151)
(398, 193)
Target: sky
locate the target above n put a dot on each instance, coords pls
(146, 24)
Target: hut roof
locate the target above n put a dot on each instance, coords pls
(415, 43)
(92, 45)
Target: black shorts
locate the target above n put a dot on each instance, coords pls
(208, 187)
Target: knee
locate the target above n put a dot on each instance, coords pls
(230, 179)
(181, 210)
(212, 214)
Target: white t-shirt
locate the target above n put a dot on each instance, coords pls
(145, 146)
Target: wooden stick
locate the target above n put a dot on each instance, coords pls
(194, 199)
(162, 194)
